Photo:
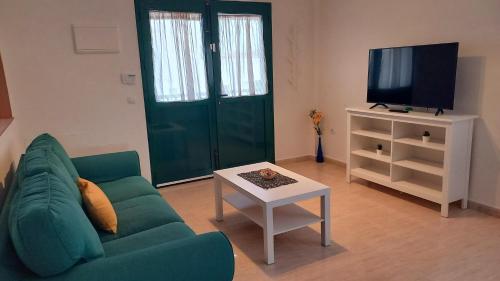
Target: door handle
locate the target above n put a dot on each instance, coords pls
(222, 96)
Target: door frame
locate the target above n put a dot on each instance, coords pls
(142, 8)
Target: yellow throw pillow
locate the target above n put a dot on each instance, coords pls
(99, 207)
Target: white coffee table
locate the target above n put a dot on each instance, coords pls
(273, 209)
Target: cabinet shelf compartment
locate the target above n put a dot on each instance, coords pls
(419, 159)
(417, 141)
(421, 165)
(371, 127)
(367, 147)
(369, 169)
(376, 134)
(411, 134)
(385, 157)
(416, 183)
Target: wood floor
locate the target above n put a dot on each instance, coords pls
(377, 234)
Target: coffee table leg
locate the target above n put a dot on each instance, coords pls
(218, 199)
(325, 224)
(268, 234)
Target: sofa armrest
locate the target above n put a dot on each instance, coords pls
(204, 257)
(108, 167)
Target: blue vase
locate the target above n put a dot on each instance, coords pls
(319, 153)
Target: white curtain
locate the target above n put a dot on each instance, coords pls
(396, 68)
(178, 56)
(243, 60)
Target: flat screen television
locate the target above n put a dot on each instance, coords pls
(420, 76)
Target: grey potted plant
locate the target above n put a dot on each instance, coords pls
(379, 149)
(426, 137)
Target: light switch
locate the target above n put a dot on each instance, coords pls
(128, 78)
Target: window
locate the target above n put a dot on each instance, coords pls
(178, 57)
(243, 60)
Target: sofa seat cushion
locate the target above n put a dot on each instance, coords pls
(139, 214)
(148, 238)
(49, 229)
(46, 140)
(127, 188)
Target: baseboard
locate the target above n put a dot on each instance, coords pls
(309, 158)
(492, 211)
(335, 162)
(294, 160)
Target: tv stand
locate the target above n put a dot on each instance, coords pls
(436, 170)
(379, 104)
(439, 111)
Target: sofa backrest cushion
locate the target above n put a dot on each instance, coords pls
(43, 159)
(46, 140)
(48, 227)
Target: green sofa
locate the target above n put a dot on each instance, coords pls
(46, 235)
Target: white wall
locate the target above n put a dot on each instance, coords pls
(347, 29)
(79, 98)
(293, 44)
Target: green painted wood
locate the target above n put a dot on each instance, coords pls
(181, 134)
(189, 140)
(245, 125)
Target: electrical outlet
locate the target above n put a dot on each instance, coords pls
(131, 100)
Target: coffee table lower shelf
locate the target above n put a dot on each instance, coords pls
(286, 218)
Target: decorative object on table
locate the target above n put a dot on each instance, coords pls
(316, 116)
(379, 150)
(268, 174)
(426, 137)
(256, 178)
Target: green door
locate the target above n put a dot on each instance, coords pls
(174, 37)
(243, 77)
(192, 129)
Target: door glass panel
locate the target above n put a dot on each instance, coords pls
(243, 60)
(178, 56)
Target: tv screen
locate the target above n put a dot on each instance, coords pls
(422, 76)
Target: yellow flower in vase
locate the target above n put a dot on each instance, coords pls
(316, 117)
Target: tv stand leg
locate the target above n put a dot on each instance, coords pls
(439, 111)
(464, 204)
(379, 104)
(444, 210)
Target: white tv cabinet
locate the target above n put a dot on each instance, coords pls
(437, 171)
